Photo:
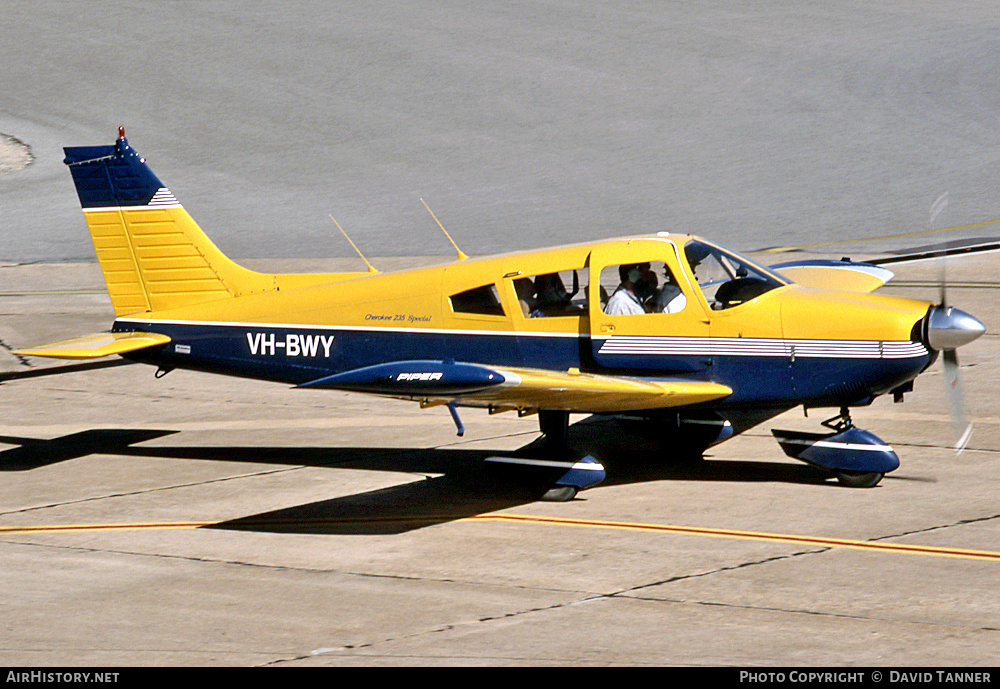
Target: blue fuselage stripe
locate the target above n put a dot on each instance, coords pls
(756, 372)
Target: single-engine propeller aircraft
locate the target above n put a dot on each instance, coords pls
(695, 341)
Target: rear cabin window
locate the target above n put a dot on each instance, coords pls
(482, 300)
(551, 294)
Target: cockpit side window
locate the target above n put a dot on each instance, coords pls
(725, 278)
(481, 300)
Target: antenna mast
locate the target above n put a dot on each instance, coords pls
(461, 254)
(371, 268)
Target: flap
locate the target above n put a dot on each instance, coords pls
(97, 345)
(845, 276)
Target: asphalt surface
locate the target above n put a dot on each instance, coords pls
(196, 520)
(522, 124)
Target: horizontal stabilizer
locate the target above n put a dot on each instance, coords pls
(97, 345)
(846, 276)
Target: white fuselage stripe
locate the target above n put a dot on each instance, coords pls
(834, 444)
(761, 347)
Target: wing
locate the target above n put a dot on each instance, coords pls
(593, 393)
(934, 252)
(846, 276)
(522, 389)
(97, 345)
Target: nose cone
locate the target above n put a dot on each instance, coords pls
(950, 328)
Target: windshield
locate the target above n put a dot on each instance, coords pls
(725, 278)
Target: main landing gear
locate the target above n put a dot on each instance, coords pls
(858, 458)
(559, 476)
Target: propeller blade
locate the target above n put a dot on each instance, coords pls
(950, 328)
(956, 399)
(943, 284)
(939, 205)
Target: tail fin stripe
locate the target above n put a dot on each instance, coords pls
(163, 198)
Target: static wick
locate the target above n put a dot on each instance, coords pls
(371, 268)
(461, 255)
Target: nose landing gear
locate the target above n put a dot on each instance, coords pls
(858, 458)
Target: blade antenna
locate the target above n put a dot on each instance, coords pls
(461, 254)
(371, 268)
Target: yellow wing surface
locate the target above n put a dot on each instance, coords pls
(533, 389)
(525, 390)
(97, 345)
(837, 275)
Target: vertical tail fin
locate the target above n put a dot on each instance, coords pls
(152, 253)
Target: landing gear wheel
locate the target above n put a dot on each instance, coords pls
(859, 479)
(560, 494)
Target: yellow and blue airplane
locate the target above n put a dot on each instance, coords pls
(672, 331)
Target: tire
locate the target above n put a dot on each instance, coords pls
(560, 494)
(859, 479)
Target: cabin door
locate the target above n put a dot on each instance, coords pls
(645, 314)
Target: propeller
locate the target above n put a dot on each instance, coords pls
(948, 329)
(956, 400)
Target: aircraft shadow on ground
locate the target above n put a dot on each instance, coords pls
(33, 453)
(470, 488)
(455, 483)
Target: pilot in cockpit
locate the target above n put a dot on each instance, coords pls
(633, 290)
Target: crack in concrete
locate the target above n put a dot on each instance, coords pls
(960, 522)
(145, 491)
(23, 360)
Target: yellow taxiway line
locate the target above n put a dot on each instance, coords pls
(754, 535)
(819, 541)
(57, 528)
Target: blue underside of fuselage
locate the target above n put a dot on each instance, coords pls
(296, 355)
